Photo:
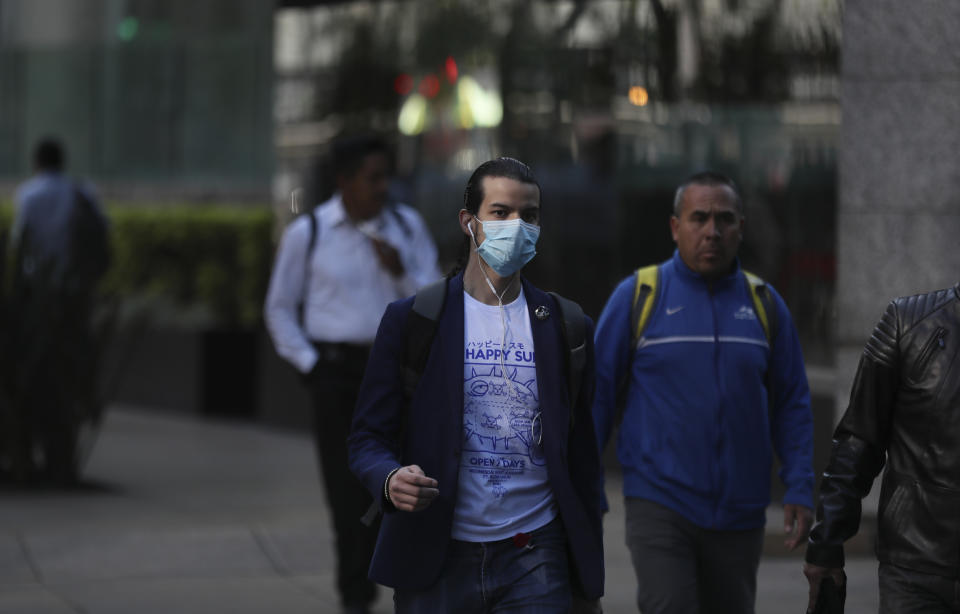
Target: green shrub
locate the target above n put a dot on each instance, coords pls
(185, 260)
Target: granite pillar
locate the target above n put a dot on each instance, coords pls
(899, 211)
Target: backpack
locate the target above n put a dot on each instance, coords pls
(645, 297)
(89, 249)
(645, 287)
(421, 326)
(85, 257)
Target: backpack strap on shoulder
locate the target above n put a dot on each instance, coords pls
(307, 258)
(421, 327)
(314, 228)
(419, 330)
(645, 291)
(429, 299)
(644, 298)
(574, 332)
(763, 305)
(766, 311)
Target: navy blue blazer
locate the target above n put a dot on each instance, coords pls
(411, 546)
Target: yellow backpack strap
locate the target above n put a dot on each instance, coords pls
(644, 296)
(763, 305)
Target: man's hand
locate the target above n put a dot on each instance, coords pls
(815, 575)
(797, 520)
(388, 256)
(411, 490)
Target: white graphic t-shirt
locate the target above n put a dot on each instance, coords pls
(503, 487)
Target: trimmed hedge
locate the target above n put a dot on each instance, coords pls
(211, 260)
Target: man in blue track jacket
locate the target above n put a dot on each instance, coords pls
(707, 396)
(488, 475)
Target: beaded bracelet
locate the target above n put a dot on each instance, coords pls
(386, 486)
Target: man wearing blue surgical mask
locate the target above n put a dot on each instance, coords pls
(486, 468)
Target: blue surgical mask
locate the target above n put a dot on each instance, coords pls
(507, 244)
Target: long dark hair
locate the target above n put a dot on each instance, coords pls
(510, 168)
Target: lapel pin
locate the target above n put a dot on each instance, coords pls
(541, 312)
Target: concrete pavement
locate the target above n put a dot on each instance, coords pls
(181, 516)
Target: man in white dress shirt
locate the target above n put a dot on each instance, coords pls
(336, 270)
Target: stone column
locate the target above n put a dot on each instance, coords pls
(899, 211)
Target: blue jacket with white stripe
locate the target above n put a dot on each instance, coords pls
(697, 434)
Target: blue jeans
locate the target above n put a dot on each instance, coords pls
(487, 577)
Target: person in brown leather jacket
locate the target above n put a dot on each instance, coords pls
(904, 411)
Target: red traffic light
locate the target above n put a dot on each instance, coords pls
(430, 86)
(403, 84)
(450, 68)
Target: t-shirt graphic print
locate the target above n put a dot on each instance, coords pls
(503, 486)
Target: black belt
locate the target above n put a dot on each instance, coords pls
(338, 352)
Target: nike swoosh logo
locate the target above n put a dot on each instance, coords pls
(674, 310)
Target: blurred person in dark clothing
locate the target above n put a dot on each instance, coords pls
(904, 413)
(61, 250)
(336, 270)
(49, 207)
